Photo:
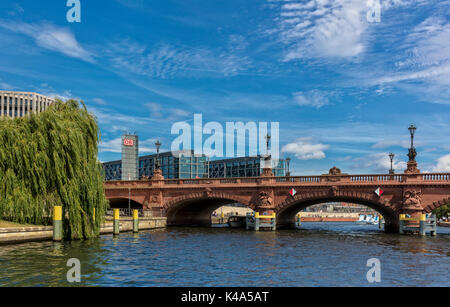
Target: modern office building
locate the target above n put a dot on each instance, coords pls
(243, 167)
(185, 164)
(174, 165)
(130, 157)
(19, 104)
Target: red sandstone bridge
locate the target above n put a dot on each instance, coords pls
(189, 202)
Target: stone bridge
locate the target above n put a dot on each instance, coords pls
(190, 202)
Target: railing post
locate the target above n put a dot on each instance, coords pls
(57, 224)
(116, 225)
(135, 221)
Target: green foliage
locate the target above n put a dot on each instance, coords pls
(442, 211)
(51, 159)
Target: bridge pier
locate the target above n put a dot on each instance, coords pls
(265, 221)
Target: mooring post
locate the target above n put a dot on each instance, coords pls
(434, 224)
(402, 223)
(116, 226)
(57, 223)
(135, 221)
(423, 221)
(257, 221)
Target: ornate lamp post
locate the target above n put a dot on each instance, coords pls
(412, 129)
(412, 153)
(158, 163)
(288, 161)
(267, 168)
(158, 172)
(268, 137)
(391, 157)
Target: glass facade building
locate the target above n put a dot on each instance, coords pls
(176, 165)
(243, 167)
(187, 165)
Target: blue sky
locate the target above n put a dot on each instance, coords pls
(343, 89)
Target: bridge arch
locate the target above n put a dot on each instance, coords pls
(435, 205)
(287, 210)
(195, 209)
(122, 203)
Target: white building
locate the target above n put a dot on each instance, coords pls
(19, 104)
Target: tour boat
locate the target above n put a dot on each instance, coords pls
(368, 219)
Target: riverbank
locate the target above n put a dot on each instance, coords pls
(11, 234)
(328, 217)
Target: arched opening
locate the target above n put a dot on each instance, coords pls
(124, 203)
(197, 212)
(222, 214)
(287, 214)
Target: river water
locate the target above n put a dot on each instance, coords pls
(321, 254)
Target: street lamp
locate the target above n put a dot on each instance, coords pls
(158, 145)
(412, 151)
(288, 161)
(412, 129)
(268, 137)
(391, 156)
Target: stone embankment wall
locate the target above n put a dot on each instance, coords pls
(30, 234)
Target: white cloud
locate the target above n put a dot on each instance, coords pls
(313, 98)
(99, 101)
(168, 61)
(305, 149)
(389, 143)
(425, 67)
(378, 162)
(17, 10)
(160, 112)
(51, 37)
(443, 164)
(6, 86)
(326, 28)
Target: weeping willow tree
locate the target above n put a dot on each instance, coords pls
(50, 159)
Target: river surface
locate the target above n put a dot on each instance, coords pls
(321, 254)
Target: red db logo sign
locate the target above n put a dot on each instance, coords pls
(128, 142)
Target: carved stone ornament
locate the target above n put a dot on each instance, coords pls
(154, 199)
(412, 200)
(334, 190)
(335, 171)
(208, 192)
(158, 175)
(265, 200)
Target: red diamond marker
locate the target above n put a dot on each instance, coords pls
(292, 192)
(379, 192)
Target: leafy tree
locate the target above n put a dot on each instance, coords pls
(442, 211)
(50, 159)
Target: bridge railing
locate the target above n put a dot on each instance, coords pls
(436, 177)
(370, 178)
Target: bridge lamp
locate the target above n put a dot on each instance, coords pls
(412, 129)
(158, 146)
(268, 137)
(288, 161)
(391, 157)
